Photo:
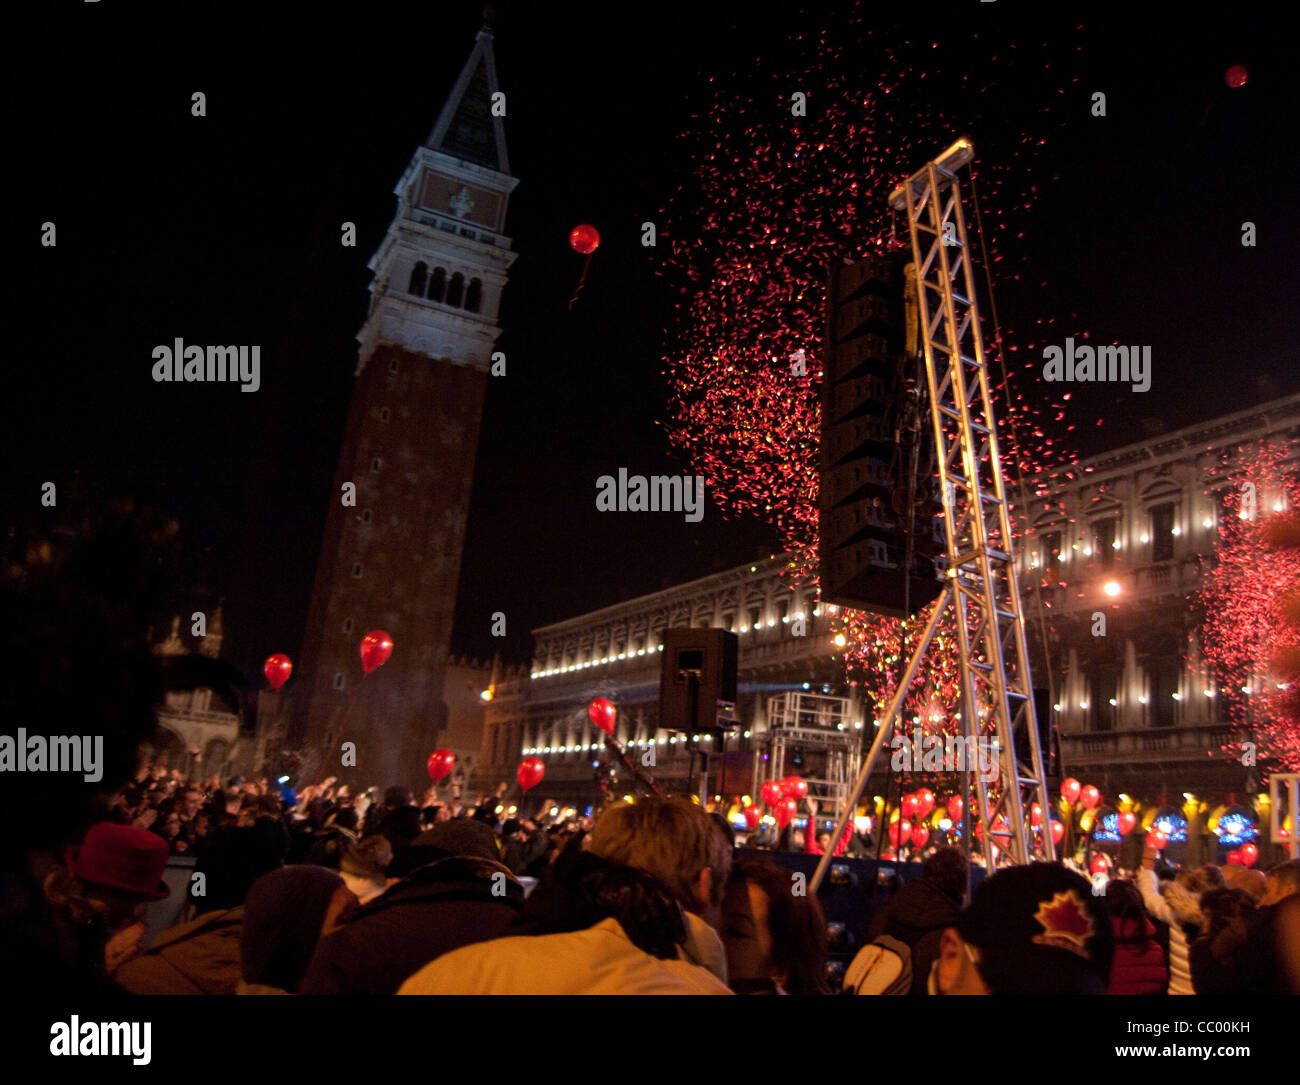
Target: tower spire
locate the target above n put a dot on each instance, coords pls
(469, 126)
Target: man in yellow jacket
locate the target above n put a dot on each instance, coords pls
(646, 895)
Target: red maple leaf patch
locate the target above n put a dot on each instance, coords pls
(1066, 924)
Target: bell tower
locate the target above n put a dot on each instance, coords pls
(391, 561)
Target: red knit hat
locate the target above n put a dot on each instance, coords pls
(125, 858)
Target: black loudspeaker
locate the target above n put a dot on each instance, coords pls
(879, 532)
(697, 678)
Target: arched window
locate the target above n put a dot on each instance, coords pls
(474, 296)
(455, 289)
(438, 284)
(419, 275)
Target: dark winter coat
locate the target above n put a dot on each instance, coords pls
(197, 958)
(433, 910)
(1139, 966)
(917, 915)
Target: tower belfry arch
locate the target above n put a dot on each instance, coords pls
(980, 590)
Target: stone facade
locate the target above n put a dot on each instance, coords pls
(1136, 518)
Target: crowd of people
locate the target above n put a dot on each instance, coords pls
(323, 892)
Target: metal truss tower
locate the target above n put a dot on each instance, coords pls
(980, 590)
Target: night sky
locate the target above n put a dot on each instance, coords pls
(226, 230)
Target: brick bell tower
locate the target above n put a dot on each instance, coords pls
(392, 561)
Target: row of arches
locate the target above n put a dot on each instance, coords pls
(453, 291)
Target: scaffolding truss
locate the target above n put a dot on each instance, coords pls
(980, 591)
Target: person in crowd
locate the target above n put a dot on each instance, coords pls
(190, 805)
(593, 927)
(1245, 879)
(1139, 967)
(817, 843)
(677, 843)
(521, 843)
(200, 957)
(919, 913)
(792, 840)
(775, 939)
(234, 856)
(1179, 907)
(1029, 930)
(1228, 914)
(99, 897)
(169, 827)
(557, 837)
(332, 839)
(460, 893)
(287, 913)
(363, 867)
(1261, 956)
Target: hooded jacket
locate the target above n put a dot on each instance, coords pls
(1181, 910)
(436, 908)
(917, 915)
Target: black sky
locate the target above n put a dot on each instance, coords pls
(226, 230)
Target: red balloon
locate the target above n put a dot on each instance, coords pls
(907, 806)
(1090, 797)
(1249, 853)
(376, 647)
(955, 807)
(1157, 839)
(753, 815)
(924, 802)
(1070, 788)
(440, 763)
(784, 812)
(920, 836)
(1234, 858)
(1235, 76)
(772, 793)
(584, 239)
(603, 714)
(899, 832)
(1099, 865)
(794, 787)
(531, 771)
(1035, 815)
(1127, 823)
(1058, 832)
(277, 669)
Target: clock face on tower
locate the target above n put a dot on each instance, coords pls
(465, 201)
